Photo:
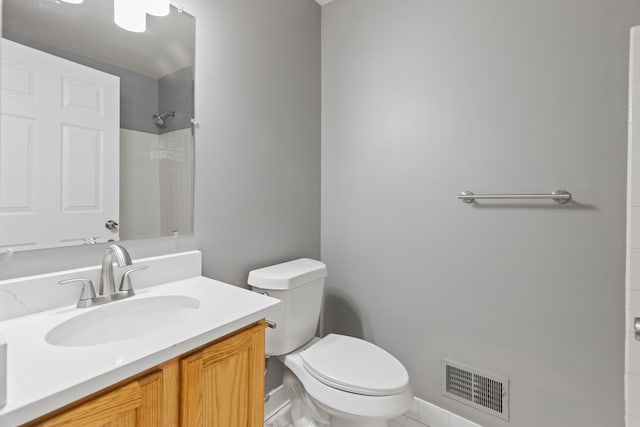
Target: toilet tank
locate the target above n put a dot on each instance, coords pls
(298, 284)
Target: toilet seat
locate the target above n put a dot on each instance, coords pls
(337, 401)
(355, 366)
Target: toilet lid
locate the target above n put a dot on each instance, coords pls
(356, 366)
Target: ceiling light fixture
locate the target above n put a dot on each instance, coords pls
(157, 7)
(130, 15)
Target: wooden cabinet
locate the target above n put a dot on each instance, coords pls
(218, 385)
(138, 403)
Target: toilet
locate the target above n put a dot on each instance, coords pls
(337, 380)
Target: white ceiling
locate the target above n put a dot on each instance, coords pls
(89, 30)
(323, 2)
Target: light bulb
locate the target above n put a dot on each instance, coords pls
(157, 7)
(130, 15)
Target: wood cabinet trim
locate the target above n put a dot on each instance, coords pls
(137, 403)
(169, 375)
(217, 383)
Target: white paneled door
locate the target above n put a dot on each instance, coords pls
(59, 150)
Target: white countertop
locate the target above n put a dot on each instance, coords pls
(43, 377)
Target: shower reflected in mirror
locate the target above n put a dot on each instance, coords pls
(159, 119)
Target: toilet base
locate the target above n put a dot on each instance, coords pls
(335, 422)
(305, 412)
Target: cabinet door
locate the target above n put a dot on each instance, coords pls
(223, 385)
(136, 404)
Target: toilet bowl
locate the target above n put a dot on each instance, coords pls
(347, 382)
(337, 380)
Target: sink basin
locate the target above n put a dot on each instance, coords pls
(123, 320)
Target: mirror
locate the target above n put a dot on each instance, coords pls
(97, 136)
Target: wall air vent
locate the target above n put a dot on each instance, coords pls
(485, 392)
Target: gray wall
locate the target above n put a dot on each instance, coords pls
(139, 100)
(257, 180)
(176, 94)
(258, 143)
(423, 99)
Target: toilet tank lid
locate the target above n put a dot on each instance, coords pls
(288, 275)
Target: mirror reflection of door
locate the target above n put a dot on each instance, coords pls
(60, 149)
(155, 164)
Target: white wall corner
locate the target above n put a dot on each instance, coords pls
(323, 2)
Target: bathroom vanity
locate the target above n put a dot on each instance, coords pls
(219, 384)
(189, 351)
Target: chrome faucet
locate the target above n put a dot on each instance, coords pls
(107, 291)
(107, 287)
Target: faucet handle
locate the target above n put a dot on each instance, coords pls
(88, 293)
(125, 283)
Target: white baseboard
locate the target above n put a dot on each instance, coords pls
(431, 415)
(421, 411)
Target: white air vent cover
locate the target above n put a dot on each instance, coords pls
(486, 392)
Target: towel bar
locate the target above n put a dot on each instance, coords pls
(559, 196)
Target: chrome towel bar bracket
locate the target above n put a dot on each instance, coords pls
(559, 196)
